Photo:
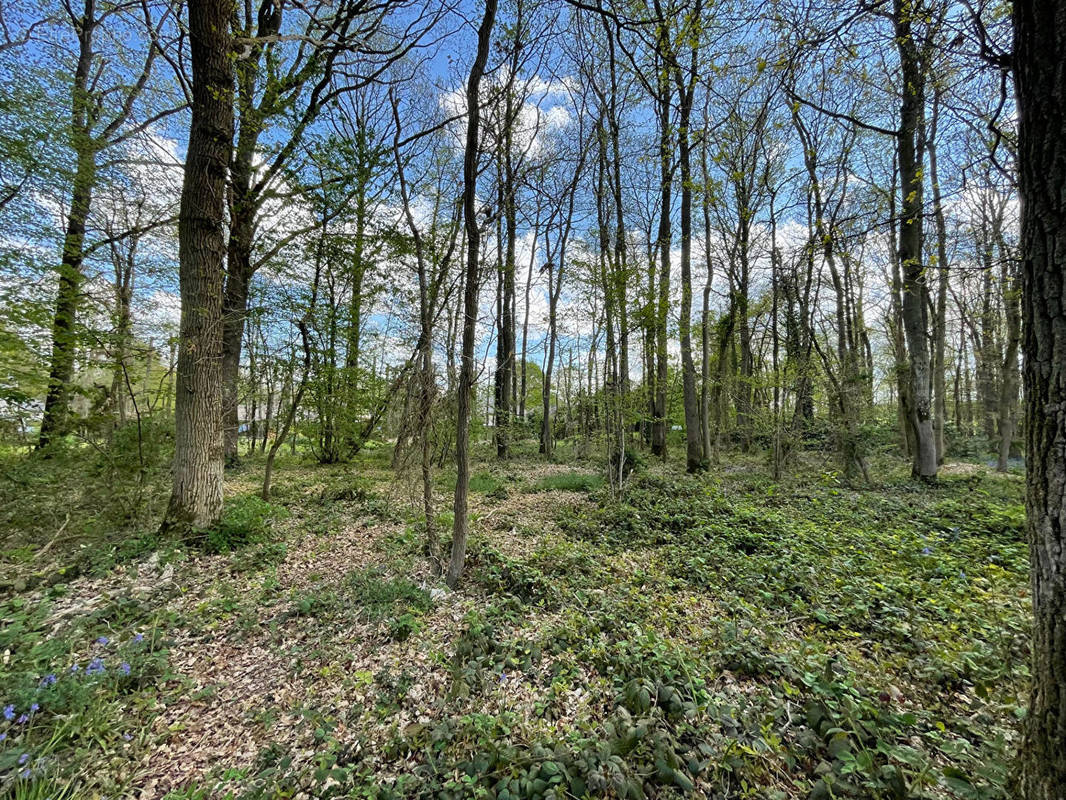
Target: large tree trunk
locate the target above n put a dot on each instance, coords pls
(473, 235)
(242, 208)
(915, 289)
(196, 500)
(1039, 41)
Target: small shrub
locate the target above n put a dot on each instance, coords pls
(246, 520)
(379, 597)
(569, 482)
(402, 627)
(485, 483)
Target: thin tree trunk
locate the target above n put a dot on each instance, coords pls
(940, 309)
(695, 457)
(244, 199)
(663, 241)
(470, 293)
(1008, 399)
(279, 440)
(525, 324)
(253, 382)
(124, 265)
(56, 404)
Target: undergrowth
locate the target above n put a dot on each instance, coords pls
(725, 638)
(722, 636)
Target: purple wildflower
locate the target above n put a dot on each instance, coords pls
(125, 667)
(139, 638)
(34, 708)
(48, 680)
(24, 758)
(23, 719)
(96, 667)
(26, 773)
(3, 736)
(9, 712)
(103, 640)
(127, 736)
(74, 668)
(926, 551)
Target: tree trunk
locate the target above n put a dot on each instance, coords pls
(505, 342)
(1008, 398)
(705, 366)
(695, 457)
(470, 293)
(253, 416)
(196, 499)
(663, 241)
(123, 319)
(244, 197)
(1039, 41)
(620, 276)
(56, 404)
(915, 289)
(242, 208)
(549, 363)
(279, 440)
(525, 324)
(940, 309)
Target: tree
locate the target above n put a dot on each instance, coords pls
(910, 147)
(97, 123)
(1040, 87)
(470, 293)
(432, 264)
(285, 77)
(196, 497)
(685, 79)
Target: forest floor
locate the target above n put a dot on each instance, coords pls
(719, 636)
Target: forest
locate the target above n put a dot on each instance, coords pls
(547, 399)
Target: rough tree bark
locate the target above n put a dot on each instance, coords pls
(196, 499)
(1039, 41)
(910, 150)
